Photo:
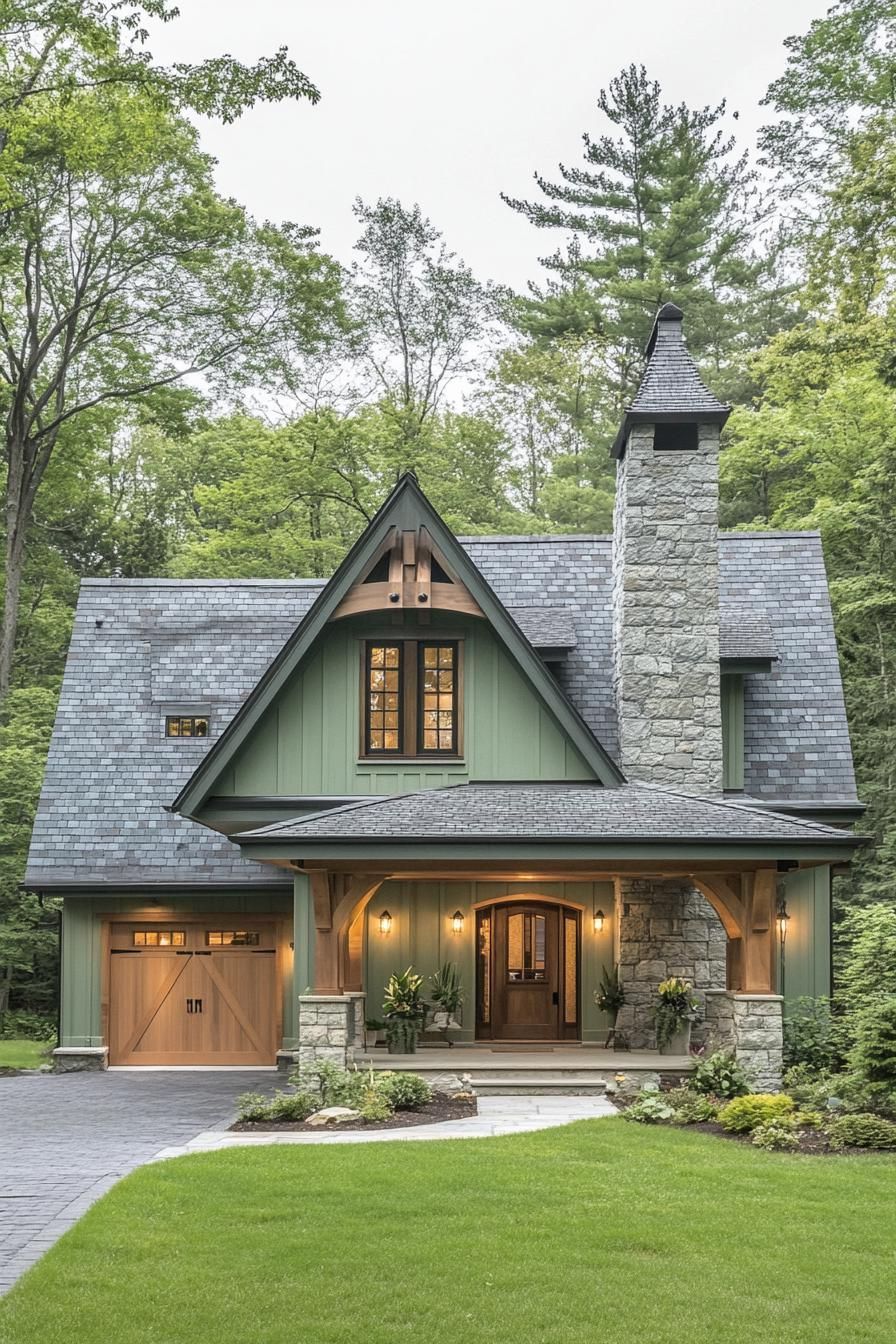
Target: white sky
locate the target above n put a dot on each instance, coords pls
(449, 104)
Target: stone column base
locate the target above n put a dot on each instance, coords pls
(752, 1026)
(80, 1058)
(328, 1028)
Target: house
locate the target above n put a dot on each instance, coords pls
(535, 757)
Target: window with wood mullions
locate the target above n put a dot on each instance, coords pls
(411, 698)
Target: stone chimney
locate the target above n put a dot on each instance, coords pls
(666, 572)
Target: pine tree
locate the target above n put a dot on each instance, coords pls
(664, 209)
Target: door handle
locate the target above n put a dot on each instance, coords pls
(194, 1005)
(555, 998)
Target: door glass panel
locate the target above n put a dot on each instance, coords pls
(485, 969)
(159, 937)
(526, 941)
(570, 971)
(231, 938)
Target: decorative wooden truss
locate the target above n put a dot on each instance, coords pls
(401, 579)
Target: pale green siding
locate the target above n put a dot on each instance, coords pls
(308, 742)
(82, 963)
(421, 937)
(807, 951)
(733, 731)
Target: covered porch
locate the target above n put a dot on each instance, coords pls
(533, 892)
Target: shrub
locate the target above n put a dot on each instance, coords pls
(776, 1137)
(874, 1054)
(404, 1091)
(651, 1108)
(252, 1106)
(858, 1095)
(808, 1037)
(744, 1114)
(25, 1026)
(861, 1131)
(720, 1075)
(691, 1108)
(809, 1119)
(291, 1106)
(815, 1091)
(373, 1105)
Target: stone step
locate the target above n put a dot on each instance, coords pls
(537, 1085)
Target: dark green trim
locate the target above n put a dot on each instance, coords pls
(258, 802)
(836, 812)
(732, 699)
(407, 507)
(519, 850)
(730, 666)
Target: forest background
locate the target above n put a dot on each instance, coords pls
(188, 391)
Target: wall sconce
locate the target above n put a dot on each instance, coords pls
(599, 918)
(385, 922)
(782, 919)
(457, 922)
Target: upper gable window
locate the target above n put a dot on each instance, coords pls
(186, 725)
(411, 698)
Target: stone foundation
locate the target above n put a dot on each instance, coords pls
(331, 1027)
(80, 1059)
(665, 928)
(752, 1026)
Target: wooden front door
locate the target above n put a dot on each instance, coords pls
(528, 972)
(193, 994)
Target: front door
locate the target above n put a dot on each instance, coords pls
(193, 994)
(528, 959)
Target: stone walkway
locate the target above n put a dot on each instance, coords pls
(66, 1139)
(497, 1115)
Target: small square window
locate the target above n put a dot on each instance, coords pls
(186, 725)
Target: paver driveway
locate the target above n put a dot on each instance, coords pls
(66, 1138)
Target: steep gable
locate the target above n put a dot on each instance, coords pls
(406, 512)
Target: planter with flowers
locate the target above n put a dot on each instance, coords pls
(674, 1013)
(403, 1012)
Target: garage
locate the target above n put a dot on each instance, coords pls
(190, 994)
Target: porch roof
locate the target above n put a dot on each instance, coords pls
(536, 812)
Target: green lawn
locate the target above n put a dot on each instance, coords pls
(22, 1054)
(603, 1232)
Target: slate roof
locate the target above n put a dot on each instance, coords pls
(744, 634)
(546, 627)
(584, 814)
(671, 387)
(165, 645)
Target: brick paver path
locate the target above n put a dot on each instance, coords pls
(65, 1139)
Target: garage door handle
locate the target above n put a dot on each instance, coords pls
(264, 951)
(194, 1005)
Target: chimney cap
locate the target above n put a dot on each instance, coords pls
(671, 388)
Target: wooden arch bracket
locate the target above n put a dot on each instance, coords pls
(745, 903)
(338, 899)
(410, 585)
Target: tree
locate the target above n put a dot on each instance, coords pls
(663, 210)
(421, 317)
(122, 273)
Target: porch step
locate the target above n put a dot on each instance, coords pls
(538, 1085)
(582, 1073)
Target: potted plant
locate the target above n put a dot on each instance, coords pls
(372, 1028)
(448, 996)
(674, 1013)
(404, 1011)
(609, 998)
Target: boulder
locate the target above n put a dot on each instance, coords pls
(334, 1115)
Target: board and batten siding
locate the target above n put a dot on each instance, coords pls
(309, 740)
(421, 936)
(807, 950)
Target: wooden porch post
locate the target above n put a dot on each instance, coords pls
(759, 972)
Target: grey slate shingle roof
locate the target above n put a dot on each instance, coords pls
(574, 812)
(166, 644)
(546, 627)
(743, 634)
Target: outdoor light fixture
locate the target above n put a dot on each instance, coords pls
(385, 922)
(457, 922)
(782, 919)
(599, 921)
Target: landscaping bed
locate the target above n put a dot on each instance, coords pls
(441, 1107)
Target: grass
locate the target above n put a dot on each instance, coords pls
(602, 1231)
(22, 1054)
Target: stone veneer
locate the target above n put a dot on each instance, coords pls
(331, 1027)
(666, 612)
(666, 928)
(752, 1026)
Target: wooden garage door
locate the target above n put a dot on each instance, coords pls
(193, 994)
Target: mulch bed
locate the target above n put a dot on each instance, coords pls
(442, 1107)
(812, 1141)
